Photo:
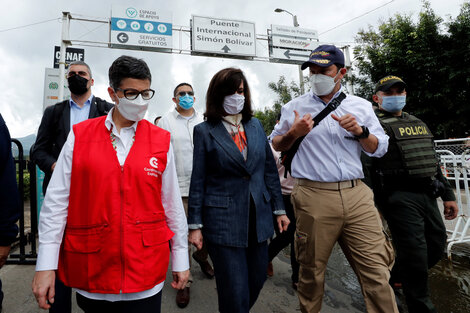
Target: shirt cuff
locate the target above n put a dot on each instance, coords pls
(179, 260)
(48, 257)
(279, 212)
(194, 226)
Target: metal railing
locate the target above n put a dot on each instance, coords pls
(457, 167)
(25, 239)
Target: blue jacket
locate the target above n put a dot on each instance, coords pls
(9, 198)
(222, 184)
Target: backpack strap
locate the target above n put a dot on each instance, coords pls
(288, 156)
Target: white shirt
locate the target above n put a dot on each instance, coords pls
(329, 153)
(181, 130)
(54, 211)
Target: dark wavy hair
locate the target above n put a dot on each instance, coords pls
(225, 83)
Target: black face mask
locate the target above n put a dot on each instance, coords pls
(77, 85)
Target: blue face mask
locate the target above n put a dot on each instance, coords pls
(186, 102)
(393, 103)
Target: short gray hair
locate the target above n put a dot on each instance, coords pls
(80, 63)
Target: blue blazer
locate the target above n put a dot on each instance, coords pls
(222, 184)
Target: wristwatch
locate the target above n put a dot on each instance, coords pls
(365, 133)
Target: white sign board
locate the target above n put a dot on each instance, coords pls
(51, 88)
(297, 56)
(294, 43)
(141, 27)
(297, 32)
(226, 37)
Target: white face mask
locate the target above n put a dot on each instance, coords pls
(133, 110)
(233, 104)
(322, 84)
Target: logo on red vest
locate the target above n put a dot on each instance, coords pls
(153, 171)
(154, 162)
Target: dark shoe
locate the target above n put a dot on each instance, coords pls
(270, 270)
(206, 268)
(182, 297)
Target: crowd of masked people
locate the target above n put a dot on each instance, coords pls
(125, 197)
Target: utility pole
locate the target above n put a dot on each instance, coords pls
(64, 43)
(296, 24)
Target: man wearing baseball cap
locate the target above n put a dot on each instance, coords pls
(406, 182)
(330, 201)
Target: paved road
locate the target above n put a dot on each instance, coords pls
(277, 296)
(449, 288)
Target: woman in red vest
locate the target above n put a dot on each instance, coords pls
(112, 205)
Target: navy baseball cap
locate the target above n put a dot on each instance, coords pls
(387, 82)
(324, 56)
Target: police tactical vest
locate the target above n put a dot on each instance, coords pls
(410, 151)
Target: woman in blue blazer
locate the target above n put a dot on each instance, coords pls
(234, 192)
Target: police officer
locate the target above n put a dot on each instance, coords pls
(407, 180)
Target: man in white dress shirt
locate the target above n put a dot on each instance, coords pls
(112, 205)
(331, 203)
(180, 123)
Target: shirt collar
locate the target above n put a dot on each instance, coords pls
(317, 98)
(73, 103)
(177, 114)
(109, 123)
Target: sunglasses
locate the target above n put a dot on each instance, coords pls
(184, 93)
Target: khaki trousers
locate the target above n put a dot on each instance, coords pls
(344, 212)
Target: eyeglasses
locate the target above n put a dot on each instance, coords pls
(184, 93)
(132, 94)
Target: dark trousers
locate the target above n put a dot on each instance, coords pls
(419, 236)
(62, 299)
(239, 275)
(240, 272)
(283, 239)
(147, 305)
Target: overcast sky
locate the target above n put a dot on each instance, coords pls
(25, 52)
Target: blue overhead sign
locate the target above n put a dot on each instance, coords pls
(141, 28)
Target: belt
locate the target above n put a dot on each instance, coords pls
(330, 186)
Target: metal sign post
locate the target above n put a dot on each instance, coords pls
(63, 46)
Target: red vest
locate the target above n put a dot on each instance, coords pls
(116, 236)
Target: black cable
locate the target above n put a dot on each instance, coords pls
(355, 18)
(23, 26)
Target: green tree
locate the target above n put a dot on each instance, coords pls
(429, 58)
(285, 92)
